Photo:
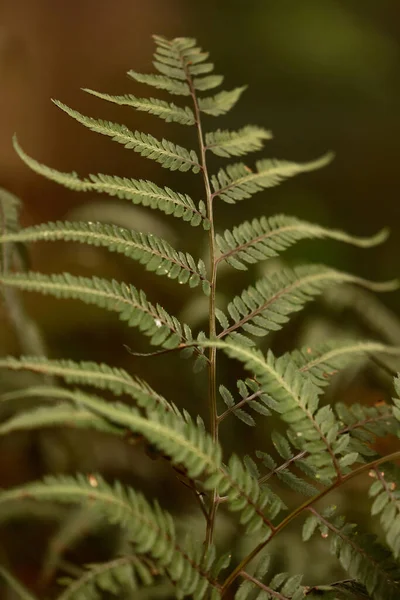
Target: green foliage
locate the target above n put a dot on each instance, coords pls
(315, 446)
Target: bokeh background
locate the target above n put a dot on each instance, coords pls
(322, 75)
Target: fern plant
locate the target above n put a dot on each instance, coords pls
(320, 448)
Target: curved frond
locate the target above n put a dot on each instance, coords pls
(237, 143)
(322, 362)
(150, 250)
(98, 375)
(149, 528)
(222, 102)
(61, 415)
(371, 312)
(265, 306)
(121, 574)
(138, 191)
(282, 586)
(238, 181)
(167, 154)
(261, 239)
(131, 304)
(165, 110)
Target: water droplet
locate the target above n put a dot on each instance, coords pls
(372, 474)
(93, 481)
(324, 535)
(157, 322)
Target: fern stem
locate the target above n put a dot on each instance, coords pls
(305, 506)
(212, 367)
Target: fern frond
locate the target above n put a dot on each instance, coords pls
(365, 423)
(127, 573)
(386, 494)
(322, 362)
(295, 398)
(150, 250)
(150, 529)
(181, 59)
(221, 103)
(138, 191)
(131, 304)
(21, 591)
(265, 306)
(165, 110)
(264, 238)
(98, 375)
(251, 394)
(258, 504)
(282, 586)
(237, 143)
(167, 154)
(10, 207)
(371, 312)
(238, 181)
(60, 415)
(162, 82)
(361, 556)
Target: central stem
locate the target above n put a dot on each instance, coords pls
(212, 375)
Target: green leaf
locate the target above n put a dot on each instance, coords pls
(124, 573)
(221, 103)
(237, 143)
(61, 415)
(167, 154)
(162, 82)
(98, 375)
(130, 303)
(264, 238)
(150, 250)
(238, 181)
(165, 110)
(266, 306)
(138, 191)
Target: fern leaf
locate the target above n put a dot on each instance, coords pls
(56, 416)
(21, 591)
(150, 529)
(138, 191)
(267, 238)
(295, 399)
(98, 375)
(122, 573)
(221, 103)
(385, 491)
(167, 154)
(265, 307)
(150, 250)
(325, 360)
(10, 207)
(237, 143)
(162, 82)
(371, 312)
(258, 505)
(362, 557)
(165, 110)
(238, 181)
(131, 304)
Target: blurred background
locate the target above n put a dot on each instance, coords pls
(322, 75)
